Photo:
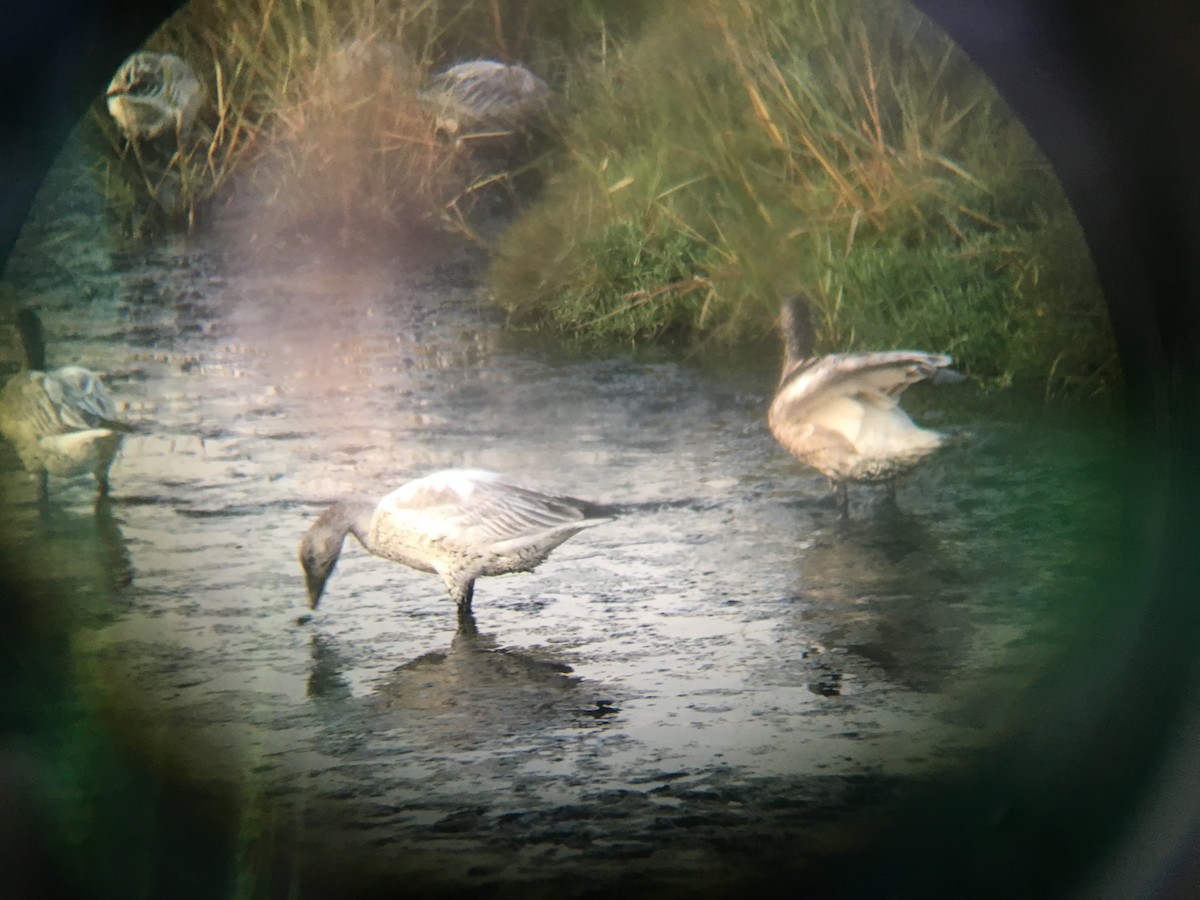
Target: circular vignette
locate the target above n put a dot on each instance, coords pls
(1093, 796)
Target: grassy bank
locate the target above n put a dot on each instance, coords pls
(735, 152)
(313, 107)
(709, 157)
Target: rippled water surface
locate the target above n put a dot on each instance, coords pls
(726, 677)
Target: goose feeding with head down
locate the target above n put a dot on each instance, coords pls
(461, 524)
(61, 422)
(840, 413)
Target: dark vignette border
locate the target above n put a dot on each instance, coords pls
(1089, 799)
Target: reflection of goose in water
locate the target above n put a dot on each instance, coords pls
(153, 94)
(70, 562)
(62, 422)
(841, 413)
(462, 524)
(476, 687)
(883, 591)
(327, 677)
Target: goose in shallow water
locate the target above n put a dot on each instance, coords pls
(458, 523)
(154, 92)
(61, 422)
(841, 413)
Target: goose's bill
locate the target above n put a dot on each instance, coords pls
(946, 376)
(315, 582)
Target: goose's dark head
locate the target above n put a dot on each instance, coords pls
(141, 75)
(319, 551)
(796, 324)
(322, 543)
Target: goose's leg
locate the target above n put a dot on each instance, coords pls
(43, 492)
(466, 621)
(466, 618)
(465, 595)
(843, 499)
(101, 474)
(462, 590)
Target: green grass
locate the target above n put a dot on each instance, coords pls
(710, 157)
(353, 154)
(732, 153)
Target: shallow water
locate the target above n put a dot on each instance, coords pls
(726, 677)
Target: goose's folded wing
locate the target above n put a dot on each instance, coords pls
(484, 88)
(875, 378)
(80, 398)
(481, 512)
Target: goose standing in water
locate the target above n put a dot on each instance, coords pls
(154, 92)
(841, 413)
(461, 524)
(61, 422)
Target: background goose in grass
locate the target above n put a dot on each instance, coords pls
(154, 92)
(459, 523)
(61, 422)
(487, 97)
(841, 413)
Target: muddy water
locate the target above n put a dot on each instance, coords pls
(724, 680)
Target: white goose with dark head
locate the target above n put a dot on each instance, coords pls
(61, 422)
(461, 524)
(840, 413)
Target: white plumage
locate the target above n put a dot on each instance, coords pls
(461, 524)
(841, 413)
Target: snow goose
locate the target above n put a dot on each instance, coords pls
(841, 414)
(458, 523)
(61, 422)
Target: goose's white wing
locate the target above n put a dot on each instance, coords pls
(79, 398)
(875, 379)
(476, 510)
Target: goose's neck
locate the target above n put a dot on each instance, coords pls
(33, 339)
(799, 338)
(352, 515)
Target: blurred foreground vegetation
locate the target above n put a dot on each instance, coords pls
(709, 156)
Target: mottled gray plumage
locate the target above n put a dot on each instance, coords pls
(841, 413)
(461, 524)
(487, 96)
(154, 92)
(61, 422)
